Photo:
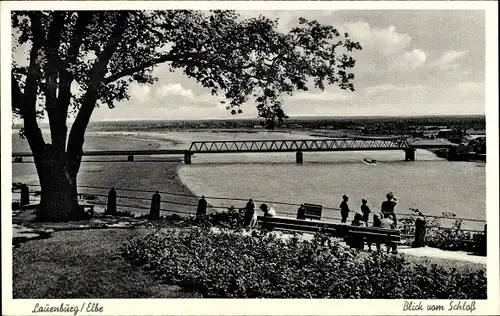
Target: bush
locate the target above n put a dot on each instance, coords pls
(231, 218)
(227, 265)
(437, 236)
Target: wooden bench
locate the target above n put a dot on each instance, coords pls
(347, 232)
(85, 196)
(313, 211)
(296, 225)
(357, 236)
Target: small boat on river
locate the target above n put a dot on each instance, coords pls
(369, 161)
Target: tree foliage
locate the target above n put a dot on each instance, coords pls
(241, 59)
(76, 61)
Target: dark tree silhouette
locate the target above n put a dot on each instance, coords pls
(79, 60)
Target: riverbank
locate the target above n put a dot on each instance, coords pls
(443, 153)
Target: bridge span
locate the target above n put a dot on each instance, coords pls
(299, 146)
(309, 145)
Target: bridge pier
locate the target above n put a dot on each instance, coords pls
(299, 157)
(452, 154)
(187, 158)
(410, 154)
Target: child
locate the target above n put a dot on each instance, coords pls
(344, 209)
(365, 210)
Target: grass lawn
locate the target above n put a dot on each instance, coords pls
(84, 264)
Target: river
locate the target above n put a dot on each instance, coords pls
(431, 184)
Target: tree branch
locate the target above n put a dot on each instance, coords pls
(99, 69)
(131, 71)
(31, 129)
(33, 74)
(65, 72)
(26, 102)
(51, 74)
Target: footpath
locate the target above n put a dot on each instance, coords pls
(407, 250)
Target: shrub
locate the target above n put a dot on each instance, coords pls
(227, 265)
(231, 218)
(437, 236)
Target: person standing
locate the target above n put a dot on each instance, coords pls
(249, 212)
(344, 209)
(365, 210)
(387, 207)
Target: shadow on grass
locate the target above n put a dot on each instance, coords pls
(84, 264)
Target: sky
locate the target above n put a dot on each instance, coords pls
(418, 62)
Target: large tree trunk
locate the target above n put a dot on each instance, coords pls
(57, 164)
(59, 190)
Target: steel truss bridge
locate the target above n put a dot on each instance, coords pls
(331, 144)
(301, 145)
(293, 145)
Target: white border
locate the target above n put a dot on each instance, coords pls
(258, 307)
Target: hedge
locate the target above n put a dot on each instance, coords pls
(228, 264)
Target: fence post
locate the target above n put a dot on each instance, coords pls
(25, 195)
(301, 212)
(111, 202)
(419, 233)
(202, 207)
(154, 213)
(482, 243)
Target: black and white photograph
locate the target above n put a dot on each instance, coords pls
(337, 151)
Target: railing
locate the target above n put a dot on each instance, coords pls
(135, 202)
(140, 203)
(188, 203)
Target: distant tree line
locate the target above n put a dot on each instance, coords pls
(387, 125)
